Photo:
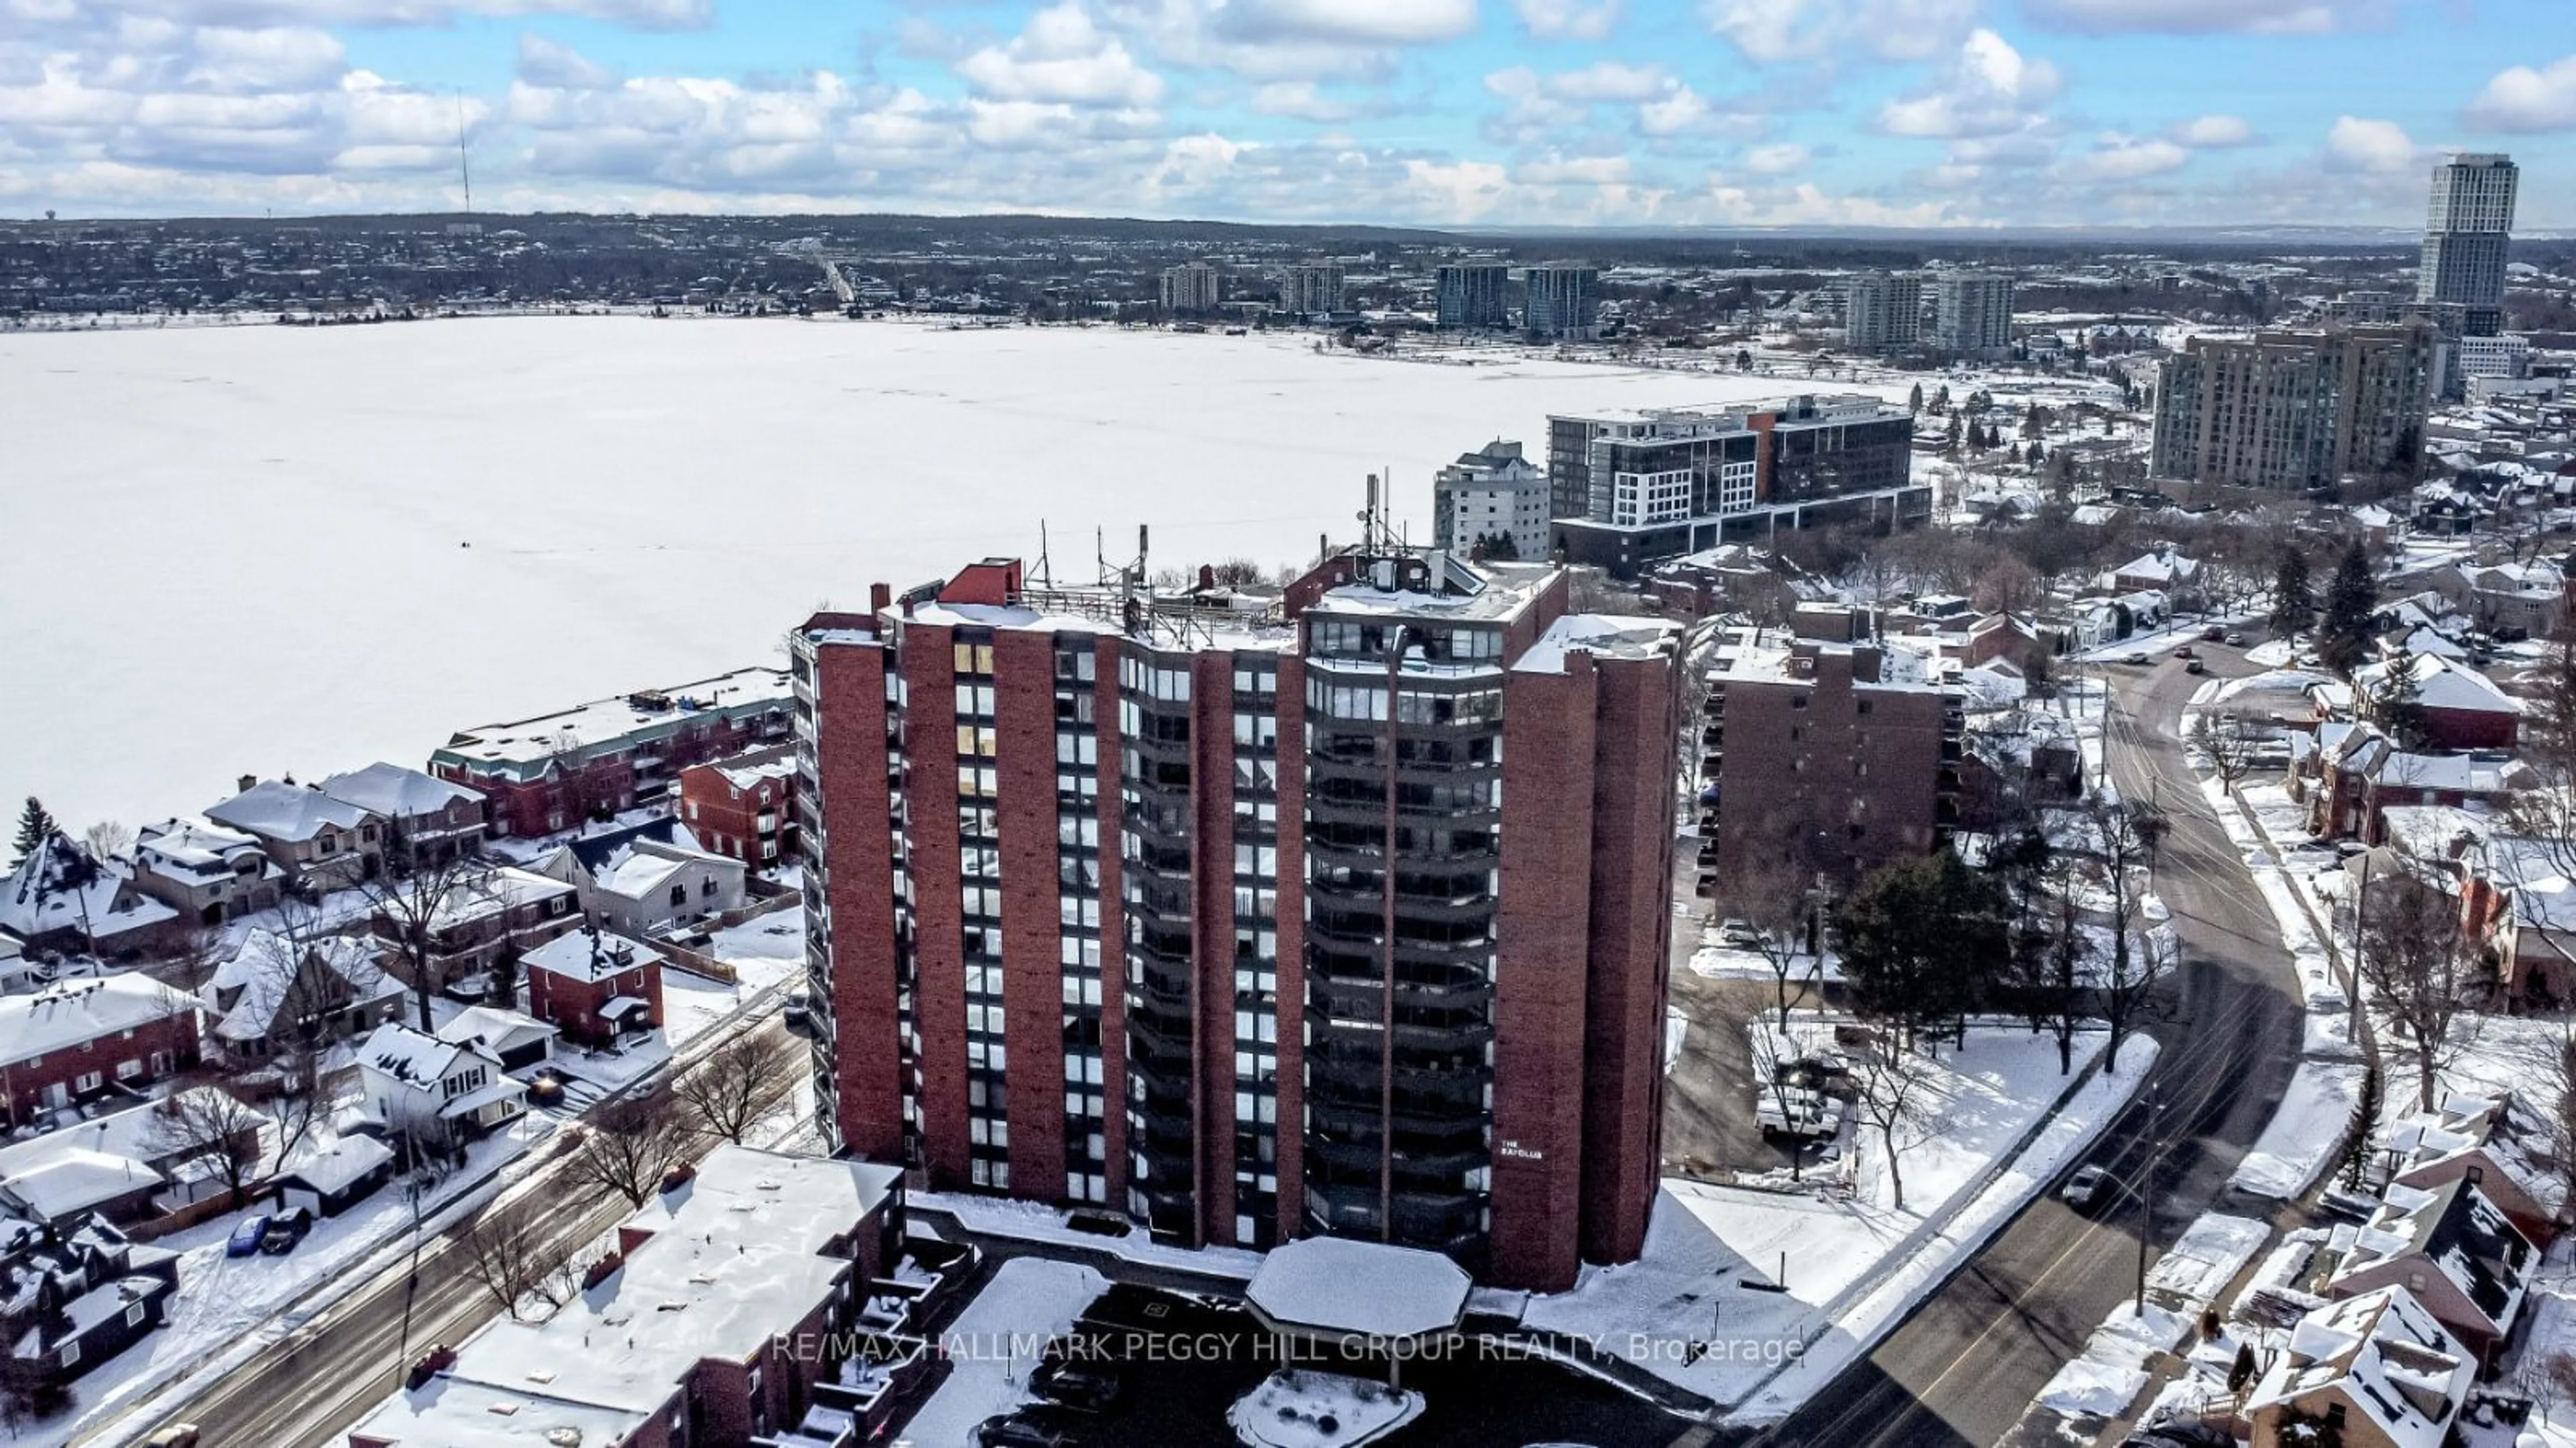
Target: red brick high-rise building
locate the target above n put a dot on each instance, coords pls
(1252, 917)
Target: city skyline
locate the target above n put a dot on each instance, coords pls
(1791, 113)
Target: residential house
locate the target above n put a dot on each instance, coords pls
(504, 913)
(2159, 570)
(336, 1177)
(72, 1300)
(595, 987)
(125, 1165)
(62, 898)
(2349, 773)
(80, 1040)
(420, 1086)
(2457, 707)
(2514, 892)
(554, 771)
(744, 808)
(17, 972)
(2509, 600)
(2455, 1251)
(734, 1307)
(276, 993)
(207, 874)
(2474, 1139)
(517, 1041)
(429, 821)
(322, 843)
(2372, 1371)
(645, 879)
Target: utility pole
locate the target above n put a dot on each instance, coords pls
(2146, 1175)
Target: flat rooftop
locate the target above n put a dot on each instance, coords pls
(642, 714)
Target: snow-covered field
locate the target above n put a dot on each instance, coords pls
(299, 549)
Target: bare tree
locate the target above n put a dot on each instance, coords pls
(300, 1095)
(2544, 815)
(1894, 1091)
(2231, 744)
(1769, 892)
(1775, 1074)
(413, 901)
(2051, 965)
(204, 1122)
(2422, 970)
(627, 1145)
(2125, 983)
(735, 1083)
(108, 840)
(506, 1254)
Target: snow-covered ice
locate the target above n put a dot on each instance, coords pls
(448, 523)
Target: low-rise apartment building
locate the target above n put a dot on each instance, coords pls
(551, 772)
(81, 1040)
(744, 807)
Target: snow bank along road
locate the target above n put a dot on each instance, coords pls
(1964, 1366)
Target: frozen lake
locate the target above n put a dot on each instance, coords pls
(257, 549)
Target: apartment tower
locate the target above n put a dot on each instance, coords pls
(1473, 296)
(1561, 303)
(1883, 312)
(1343, 910)
(2296, 410)
(1972, 315)
(2467, 231)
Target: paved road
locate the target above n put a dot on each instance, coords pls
(1963, 1367)
(306, 1389)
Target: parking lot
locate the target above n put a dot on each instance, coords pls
(1182, 1361)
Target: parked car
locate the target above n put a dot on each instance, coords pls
(244, 1242)
(1796, 1112)
(1085, 1388)
(2085, 1190)
(285, 1230)
(2134, 656)
(177, 1435)
(1028, 1428)
(1739, 934)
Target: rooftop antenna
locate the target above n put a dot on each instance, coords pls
(464, 172)
(1046, 578)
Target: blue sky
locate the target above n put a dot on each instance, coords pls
(1484, 112)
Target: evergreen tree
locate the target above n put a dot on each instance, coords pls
(2395, 704)
(2352, 596)
(2294, 598)
(1919, 937)
(35, 827)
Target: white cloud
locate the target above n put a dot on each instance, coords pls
(1569, 19)
(2356, 143)
(2116, 157)
(2524, 100)
(543, 62)
(1351, 22)
(2211, 132)
(2198, 17)
(1554, 170)
(1777, 159)
(1212, 35)
(1771, 31)
(284, 57)
(1807, 204)
(1608, 80)
(639, 14)
(1303, 100)
(1987, 89)
(1456, 191)
(1061, 57)
(1194, 163)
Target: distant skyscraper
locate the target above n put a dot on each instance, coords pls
(1972, 314)
(1474, 296)
(2296, 410)
(1562, 303)
(1312, 288)
(2466, 233)
(1883, 312)
(1196, 287)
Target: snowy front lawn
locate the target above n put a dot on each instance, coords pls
(1755, 1298)
(2299, 1143)
(1299, 1408)
(994, 1344)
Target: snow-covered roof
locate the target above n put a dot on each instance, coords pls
(2460, 1232)
(408, 1056)
(524, 748)
(59, 887)
(63, 1016)
(194, 849)
(748, 771)
(457, 1414)
(339, 1165)
(76, 1179)
(274, 809)
(2388, 1358)
(495, 1029)
(1334, 1284)
(394, 792)
(265, 971)
(2441, 683)
(1616, 636)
